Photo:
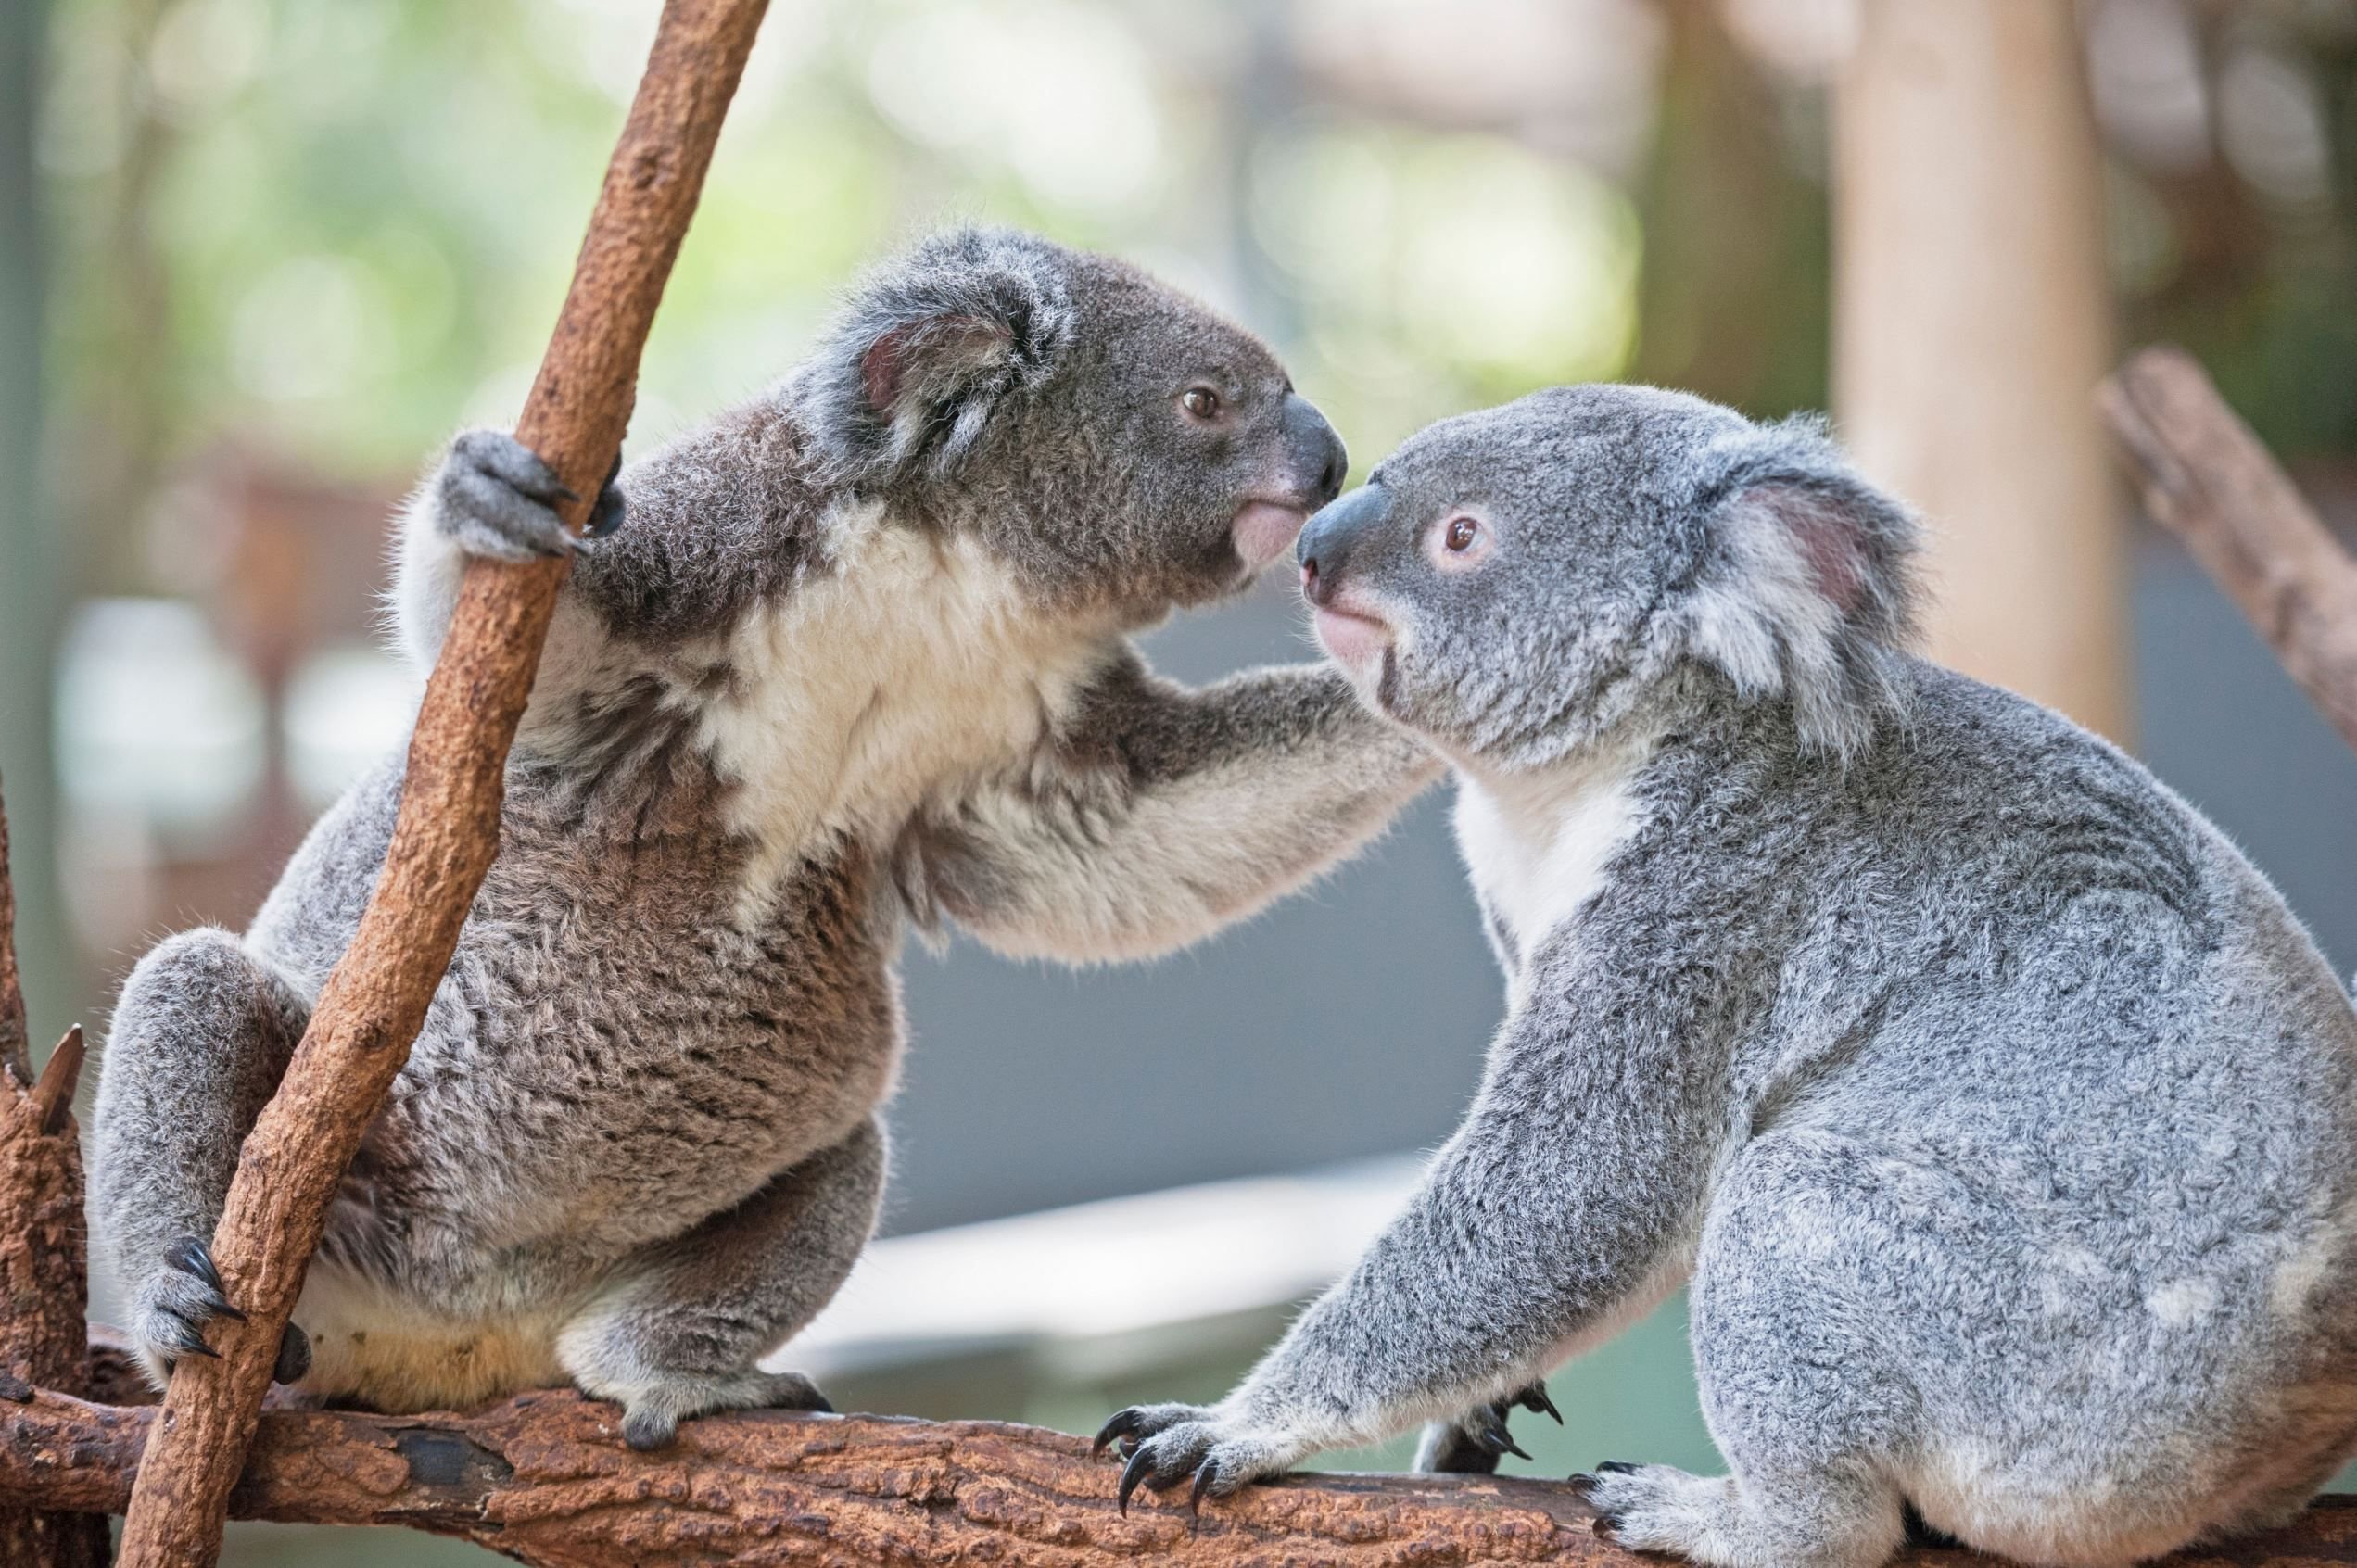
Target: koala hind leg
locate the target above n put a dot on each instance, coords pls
(684, 1326)
(1806, 1405)
(200, 1039)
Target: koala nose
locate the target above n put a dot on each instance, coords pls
(1318, 453)
(1329, 539)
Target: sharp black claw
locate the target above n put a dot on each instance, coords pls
(1535, 1399)
(1606, 1527)
(189, 1256)
(1490, 1432)
(1123, 1424)
(1132, 1474)
(1617, 1467)
(1583, 1486)
(1205, 1474)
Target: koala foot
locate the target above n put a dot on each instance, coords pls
(1655, 1508)
(171, 1307)
(1168, 1443)
(1473, 1444)
(497, 499)
(652, 1414)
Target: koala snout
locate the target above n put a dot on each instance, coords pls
(1327, 543)
(1319, 458)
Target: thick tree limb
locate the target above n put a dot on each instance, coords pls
(546, 1479)
(448, 831)
(44, 1254)
(2209, 481)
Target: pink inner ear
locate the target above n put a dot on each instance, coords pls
(936, 343)
(1828, 543)
(879, 368)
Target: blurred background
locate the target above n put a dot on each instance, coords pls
(258, 259)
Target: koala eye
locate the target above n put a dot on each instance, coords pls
(1203, 402)
(1462, 535)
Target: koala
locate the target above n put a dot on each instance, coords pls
(1998, 1115)
(857, 664)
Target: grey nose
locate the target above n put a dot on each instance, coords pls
(1319, 457)
(1329, 539)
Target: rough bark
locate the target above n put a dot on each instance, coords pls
(447, 830)
(2206, 479)
(44, 1254)
(546, 1479)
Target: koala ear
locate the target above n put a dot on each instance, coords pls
(1807, 586)
(930, 347)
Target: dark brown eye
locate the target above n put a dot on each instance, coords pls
(1461, 532)
(1201, 401)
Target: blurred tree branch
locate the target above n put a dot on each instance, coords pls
(2206, 479)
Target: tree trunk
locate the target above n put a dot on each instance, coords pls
(1971, 317)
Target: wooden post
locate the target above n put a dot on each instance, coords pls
(1972, 317)
(448, 830)
(44, 1264)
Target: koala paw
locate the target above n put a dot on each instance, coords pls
(1473, 1443)
(1168, 1443)
(171, 1307)
(651, 1415)
(1652, 1507)
(497, 499)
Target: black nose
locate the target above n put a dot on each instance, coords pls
(1329, 539)
(1319, 457)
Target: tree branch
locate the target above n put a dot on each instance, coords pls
(44, 1254)
(448, 830)
(546, 1479)
(2208, 480)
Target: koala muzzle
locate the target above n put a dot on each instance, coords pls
(1329, 539)
(1319, 458)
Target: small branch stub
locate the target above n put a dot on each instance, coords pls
(448, 830)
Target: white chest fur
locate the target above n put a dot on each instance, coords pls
(1536, 843)
(912, 670)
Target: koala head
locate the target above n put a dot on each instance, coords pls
(1518, 583)
(1112, 441)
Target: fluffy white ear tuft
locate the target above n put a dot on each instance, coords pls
(1808, 589)
(929, 348)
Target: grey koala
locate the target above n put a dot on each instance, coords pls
(2001, 1116)
(858, 662)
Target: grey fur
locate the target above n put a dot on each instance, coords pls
(849, 661)
(2003, 1118)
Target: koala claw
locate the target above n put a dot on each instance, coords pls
(189, 1256)
(1169, 1443)
(499, 499)
(1487, 1427)
(171, 1309)
(1534, 1398)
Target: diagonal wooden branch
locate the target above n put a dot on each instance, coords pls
(546, 1479)
(2208, 480)
(44, 1254)
(448, 830)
